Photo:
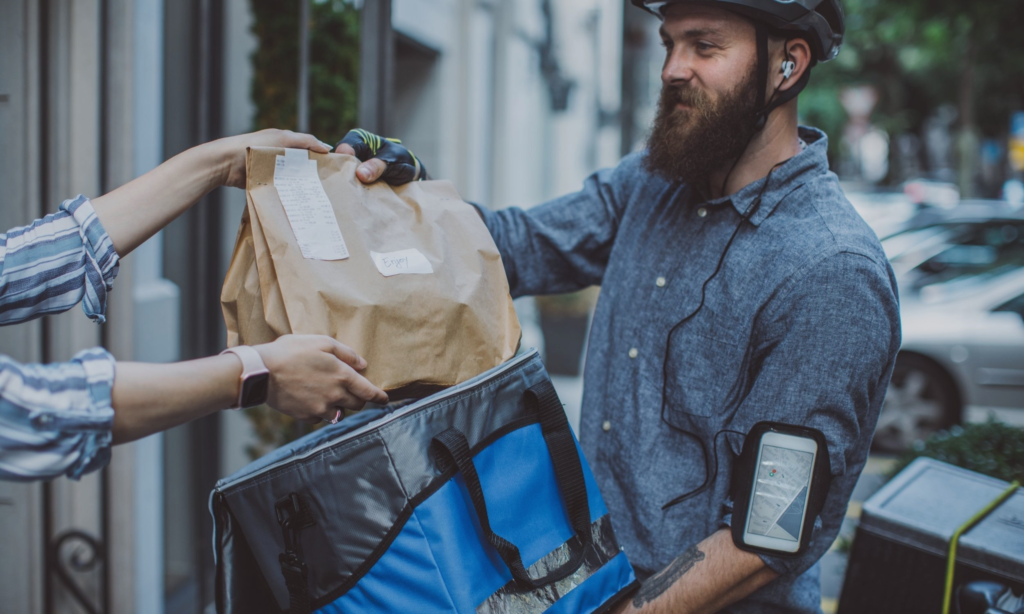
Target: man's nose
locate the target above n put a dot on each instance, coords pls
(677, 69)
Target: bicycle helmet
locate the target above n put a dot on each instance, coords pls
(819, 22)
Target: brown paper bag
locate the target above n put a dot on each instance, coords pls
(417, 332)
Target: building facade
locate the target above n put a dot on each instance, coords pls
(515, 102)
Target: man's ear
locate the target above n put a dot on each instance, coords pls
(799, 53)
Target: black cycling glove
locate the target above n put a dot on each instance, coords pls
(402, 165)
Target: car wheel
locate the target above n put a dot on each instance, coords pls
(920, 401)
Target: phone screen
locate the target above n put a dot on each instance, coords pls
(780, 493)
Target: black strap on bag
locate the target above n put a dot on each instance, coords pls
(564, 455)
(296, 580)
(293, 514)
(293, 511)
(568, 471)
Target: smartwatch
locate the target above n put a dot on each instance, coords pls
(254, 385)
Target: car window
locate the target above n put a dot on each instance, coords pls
(947, 253)
(899, 244)
(1016, 305)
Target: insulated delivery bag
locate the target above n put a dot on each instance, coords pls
(476, 499)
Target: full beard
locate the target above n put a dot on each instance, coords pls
(691, 144)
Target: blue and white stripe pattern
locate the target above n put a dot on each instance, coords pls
(56, 419)
(54, 263)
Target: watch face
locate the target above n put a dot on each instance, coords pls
(255, 389)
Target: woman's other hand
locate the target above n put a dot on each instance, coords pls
(230, 151)
(314, 376)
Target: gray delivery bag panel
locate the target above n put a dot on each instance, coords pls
(474, 499)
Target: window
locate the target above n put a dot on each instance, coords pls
(955, 252)
(1015, 305)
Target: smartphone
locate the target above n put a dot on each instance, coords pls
(782, 480)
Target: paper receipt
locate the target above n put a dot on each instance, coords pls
(404, 261)
(308, 209)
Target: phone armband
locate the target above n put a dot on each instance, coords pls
(770, 473)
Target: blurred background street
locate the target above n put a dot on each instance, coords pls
(515, 102)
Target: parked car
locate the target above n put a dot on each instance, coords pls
(961, 281)
(976, 211)
(885, 212)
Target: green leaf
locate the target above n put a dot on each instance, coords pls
(992, 448)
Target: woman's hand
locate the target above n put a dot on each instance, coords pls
(229, 152)
(139, 209)
(313, 376)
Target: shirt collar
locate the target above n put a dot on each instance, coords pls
(798, 170)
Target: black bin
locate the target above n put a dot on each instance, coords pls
(898, 561)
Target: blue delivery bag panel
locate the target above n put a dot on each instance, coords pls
(476, 499)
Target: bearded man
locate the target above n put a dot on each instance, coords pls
(737, 285)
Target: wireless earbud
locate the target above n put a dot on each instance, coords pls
(787, 69)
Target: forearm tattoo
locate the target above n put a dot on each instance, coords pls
(661, 581)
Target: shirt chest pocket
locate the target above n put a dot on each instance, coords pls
(705, 367)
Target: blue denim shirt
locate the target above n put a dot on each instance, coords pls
(801, 325)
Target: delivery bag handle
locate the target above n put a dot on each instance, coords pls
(568, 471)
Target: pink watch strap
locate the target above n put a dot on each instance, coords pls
(252, 363)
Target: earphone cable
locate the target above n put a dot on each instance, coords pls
(711, 471)
(708, 478)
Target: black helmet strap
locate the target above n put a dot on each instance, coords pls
(777, 98)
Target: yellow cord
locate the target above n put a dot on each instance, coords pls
(951, 561)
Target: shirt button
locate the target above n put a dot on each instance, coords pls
(702, 212)
(660, 282)
(44, 420)
(606, 426)
(633, 352)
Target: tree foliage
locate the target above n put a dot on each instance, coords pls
(991, 448)
(333, 69)
(922, 54)
(333, 108)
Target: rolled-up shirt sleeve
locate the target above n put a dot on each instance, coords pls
(56, 262)
(823, 359)
(56, 419)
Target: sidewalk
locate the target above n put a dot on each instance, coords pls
(833, 564)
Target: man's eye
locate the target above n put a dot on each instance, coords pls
(667, 44)
(702, 47)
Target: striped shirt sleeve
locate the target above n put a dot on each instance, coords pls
(54, 263)
(55, 419)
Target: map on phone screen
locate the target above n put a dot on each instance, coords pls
(780, 493)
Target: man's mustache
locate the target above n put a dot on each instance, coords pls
(686, 95)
